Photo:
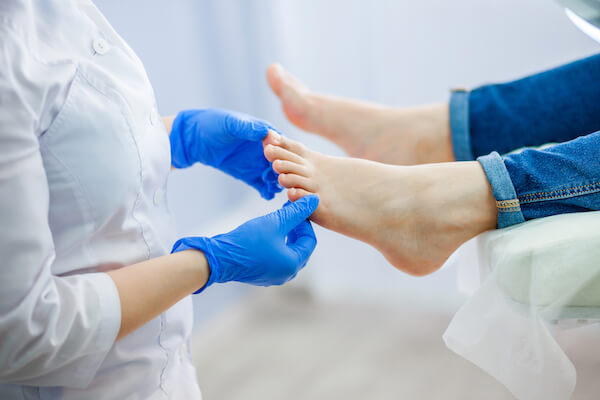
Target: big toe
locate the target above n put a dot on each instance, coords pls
(291, 92)
(282, 82)
(275, 78)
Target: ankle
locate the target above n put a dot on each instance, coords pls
(463, 196)
(427, 130)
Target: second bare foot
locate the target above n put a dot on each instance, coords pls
(364, 130)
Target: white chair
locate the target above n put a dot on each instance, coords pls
(525, 282)
(552, 264)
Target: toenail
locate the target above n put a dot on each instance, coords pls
(278, 69)
(276, 137)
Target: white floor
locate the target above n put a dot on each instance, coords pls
(281, 344)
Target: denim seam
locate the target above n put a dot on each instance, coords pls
(509, 209)
(507, 203)
(561, 194)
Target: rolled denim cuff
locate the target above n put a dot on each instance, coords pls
(459, 125)
(509, 208)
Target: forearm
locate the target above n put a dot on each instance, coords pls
(148, 288)
(550, 107)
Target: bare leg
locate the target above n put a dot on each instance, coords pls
(415, 216)
(364, 130)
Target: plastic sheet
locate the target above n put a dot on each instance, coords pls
(527, 282)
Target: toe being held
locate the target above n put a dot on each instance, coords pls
(285, 166)
(275, 139)
(296, 181)
(272, 138)
(292, 145)
(296, 193)
(273, 153)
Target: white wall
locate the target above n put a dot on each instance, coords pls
(214, 52)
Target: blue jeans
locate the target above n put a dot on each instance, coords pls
(561, 106)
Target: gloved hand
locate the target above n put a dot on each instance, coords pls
(257, 252)
(225, 140)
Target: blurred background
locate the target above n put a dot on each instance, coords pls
(350, 326)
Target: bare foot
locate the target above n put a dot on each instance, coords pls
(415, 216)
(364, 130)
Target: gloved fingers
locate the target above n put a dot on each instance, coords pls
(245, 127)
(304, 229)
(270, 183)
(302, 241)
(292, 214)
(266, 189)
(291, 277)
(269, 175)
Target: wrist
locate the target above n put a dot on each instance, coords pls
(168, 123)
(207, 261)
(194, 265)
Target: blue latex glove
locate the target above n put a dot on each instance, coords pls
(257, 252)
(226, 140)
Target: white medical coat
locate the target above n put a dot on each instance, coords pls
(84, 160)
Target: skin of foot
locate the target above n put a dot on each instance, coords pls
(400, 136)
(416, 216)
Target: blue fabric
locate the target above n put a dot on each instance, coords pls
(228, 141)
(509, 209)
(265, 251)
(550, 107)
(560, 179)
(459, 125)
(559, 105)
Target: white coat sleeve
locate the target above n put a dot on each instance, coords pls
(54, 331)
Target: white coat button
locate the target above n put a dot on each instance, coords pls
(100, 46)
(158, 197)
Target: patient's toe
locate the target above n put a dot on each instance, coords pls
(296, 181)
(285, 167)
(273, 153)
(297, 193)
(293, 146)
